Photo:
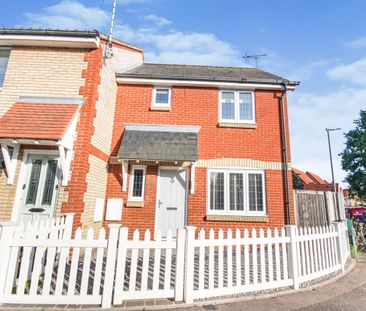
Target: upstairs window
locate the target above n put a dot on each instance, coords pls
(137, 184)
(237, 107)
(236, 192)
(4, 58)
(162, 97)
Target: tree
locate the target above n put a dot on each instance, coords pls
(354, 158)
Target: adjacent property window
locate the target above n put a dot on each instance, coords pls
(236, 192)
(137, 184)
(4, 58)
(162, 97)
(237, 106)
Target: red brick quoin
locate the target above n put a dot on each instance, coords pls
(199, 106)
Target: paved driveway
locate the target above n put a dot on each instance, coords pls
(346, 294)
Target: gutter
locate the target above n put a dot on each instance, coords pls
(49, 32)
(207, 78)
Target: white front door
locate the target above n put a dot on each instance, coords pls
(171, 200)
(39, 187)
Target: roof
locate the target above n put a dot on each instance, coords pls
(317, 179)
(203, 73)
(49, 32)
(159, 143)
(72, 33)
(305, 179)
(47, 121)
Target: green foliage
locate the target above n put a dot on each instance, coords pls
(354, 158)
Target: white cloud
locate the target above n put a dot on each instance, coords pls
(172, 46)
(157, 20)
(358, 43)
(68, 14)
(354, 72)
(309, 115)
(308, 70)
(134, 1)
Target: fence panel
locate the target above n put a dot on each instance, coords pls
(149, 268)
(40, 274)
(318, 252)
(229, 265)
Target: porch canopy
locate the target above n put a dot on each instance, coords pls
(43, 122)
(160, 143)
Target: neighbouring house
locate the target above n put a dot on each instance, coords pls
(57, 100)
(148, 146)
(310, 181)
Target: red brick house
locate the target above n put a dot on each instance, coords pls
(113, 139)
(202, 146)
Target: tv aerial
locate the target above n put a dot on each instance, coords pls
(247, 58)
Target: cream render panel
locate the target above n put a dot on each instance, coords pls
(103, 122)
(42, 72)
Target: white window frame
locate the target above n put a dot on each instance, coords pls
(132, 177)
(155, 104)
(9, 50)
(237, 107)
(227, 211)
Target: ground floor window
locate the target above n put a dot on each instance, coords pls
(236, 192)
(137, 183)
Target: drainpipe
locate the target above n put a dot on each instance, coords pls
(284, 154)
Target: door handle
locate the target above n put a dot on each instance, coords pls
(171, 208)
(23, 187)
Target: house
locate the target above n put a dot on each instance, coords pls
(200, 145)
(310, 181)
(57, 97)
(149, 146)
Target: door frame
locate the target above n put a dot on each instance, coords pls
(157, 194)
(15, 216)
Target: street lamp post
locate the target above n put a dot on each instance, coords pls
(331, 167)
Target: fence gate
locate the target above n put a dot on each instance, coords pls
(148, 269)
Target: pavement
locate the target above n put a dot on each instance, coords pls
(347, 293)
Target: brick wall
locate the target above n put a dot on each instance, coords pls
(199, 106)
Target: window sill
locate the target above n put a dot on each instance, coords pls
(236, 218)
(238, 125)
(134, 204)
(159, 108)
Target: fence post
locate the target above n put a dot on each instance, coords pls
(340, 234)
(110, 266)
(6, 236)
(69, 221)
(179, 272)
(293, 256)
(189, 265)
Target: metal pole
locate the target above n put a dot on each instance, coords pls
(331, 167)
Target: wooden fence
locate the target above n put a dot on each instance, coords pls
(46, 268)
(316, 208)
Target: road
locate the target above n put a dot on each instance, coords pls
(346, 294)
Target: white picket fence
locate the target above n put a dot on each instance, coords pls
(44, 267)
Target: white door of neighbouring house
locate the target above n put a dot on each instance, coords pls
(39, 187)
(171, 200)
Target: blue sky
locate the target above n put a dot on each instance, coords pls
(321, 43)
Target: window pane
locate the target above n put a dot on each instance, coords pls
(162, 96)
(246, 106)
(49, 182)
(255, 192)
(33, 181)
(227, 106)
(217, 191)
(236, 192)
(4, 57)
(138, 178)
